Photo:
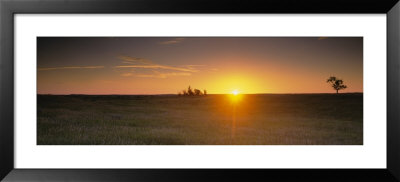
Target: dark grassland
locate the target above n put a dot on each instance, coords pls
(270, 119)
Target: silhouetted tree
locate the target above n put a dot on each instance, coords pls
(190, 91)
(197, 92)
(336, 84)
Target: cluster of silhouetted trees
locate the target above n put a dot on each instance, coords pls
(192, 92)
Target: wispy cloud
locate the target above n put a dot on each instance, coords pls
(134, 60)
(141, 67)
(173, 41)
(147, 64)
(70, 67)
(158, 67)
(193, 66)
(126, 74)
(156, 74)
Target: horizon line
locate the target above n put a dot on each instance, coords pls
(214, 94)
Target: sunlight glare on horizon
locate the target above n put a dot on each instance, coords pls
(235, 92)
(235, 96)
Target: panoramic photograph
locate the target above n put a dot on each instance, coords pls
(199, 91)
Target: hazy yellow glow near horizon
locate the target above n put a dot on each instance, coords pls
(235, 92)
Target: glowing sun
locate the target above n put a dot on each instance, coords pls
(235, 92)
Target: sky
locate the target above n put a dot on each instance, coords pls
(167, 65)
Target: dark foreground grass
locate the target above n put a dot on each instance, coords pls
(275, 119)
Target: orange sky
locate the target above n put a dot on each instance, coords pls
(122, 65)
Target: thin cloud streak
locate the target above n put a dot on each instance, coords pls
(70, 67)
(126, 74)
(158, 67)
(142, 63)
(163, 75)
(133, 60)
(147, 64)
(174, 41)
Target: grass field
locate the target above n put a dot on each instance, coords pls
(265, 119)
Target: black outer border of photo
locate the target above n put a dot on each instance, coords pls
(9, 8)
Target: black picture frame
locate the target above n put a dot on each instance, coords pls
(9, 8)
